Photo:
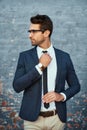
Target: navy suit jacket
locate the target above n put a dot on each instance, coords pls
(28, 79)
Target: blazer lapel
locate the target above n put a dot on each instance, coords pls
(35, 56)
(59, 63)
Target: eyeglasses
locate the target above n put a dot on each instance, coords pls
(34, 31)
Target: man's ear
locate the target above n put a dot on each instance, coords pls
(47, 33)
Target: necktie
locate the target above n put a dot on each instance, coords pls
(45, 88)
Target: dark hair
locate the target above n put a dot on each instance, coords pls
(44, 21)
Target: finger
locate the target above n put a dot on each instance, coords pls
(49, 97)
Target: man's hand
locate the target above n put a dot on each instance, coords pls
(52, 96)
(45, 59)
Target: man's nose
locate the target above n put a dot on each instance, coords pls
(30, 34)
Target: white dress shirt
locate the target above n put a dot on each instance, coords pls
(51, 74)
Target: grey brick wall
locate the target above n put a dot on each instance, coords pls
(70, 35)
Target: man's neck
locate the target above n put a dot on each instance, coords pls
(46, 44)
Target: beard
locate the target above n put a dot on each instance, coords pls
(36, 43)
(33, 42)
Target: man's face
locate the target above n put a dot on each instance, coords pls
(36, 35)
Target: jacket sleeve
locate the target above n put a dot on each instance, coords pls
(23, 80)
(72, 80)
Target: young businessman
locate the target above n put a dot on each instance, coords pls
(41, 74)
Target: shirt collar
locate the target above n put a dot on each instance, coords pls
(39, 49)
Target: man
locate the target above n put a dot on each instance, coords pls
(44, 110)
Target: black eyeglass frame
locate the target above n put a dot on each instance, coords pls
(34, 31)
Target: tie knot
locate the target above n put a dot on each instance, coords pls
(44, 51)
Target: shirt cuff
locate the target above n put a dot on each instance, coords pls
(38, 69)
(63, 96)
